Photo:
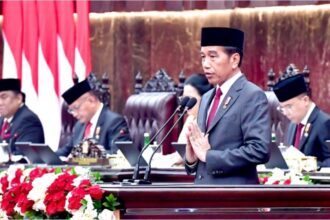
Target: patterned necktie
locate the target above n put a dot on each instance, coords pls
(298, 135)
(87, 130)
(214, 107)
(4, 128)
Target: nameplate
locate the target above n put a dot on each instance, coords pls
(86, 161)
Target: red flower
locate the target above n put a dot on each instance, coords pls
(23, 202)
(75, 200)
(56, 193)
(4, 183)
(96, 192)
(63, 182)
(17, 178)
(55, 202)
(85, 183)
(9, 199)
(287, 182)
(37, 172)
(263, 180)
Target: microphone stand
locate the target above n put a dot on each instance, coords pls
(137, 166)
(136, 172)
(10, 145)
(148, 169)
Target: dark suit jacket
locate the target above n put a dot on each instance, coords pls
(312, 142)
(109, 126)
(26, 126)
(239, 136)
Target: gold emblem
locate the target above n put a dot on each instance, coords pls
(97, 132)
(307, 129)
(227, 102)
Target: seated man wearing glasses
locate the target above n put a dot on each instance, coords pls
(310, 127)
(94, 120)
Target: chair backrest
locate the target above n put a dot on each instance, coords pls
(279, 122)
(151, 106)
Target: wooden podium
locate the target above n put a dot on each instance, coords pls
(182, 201)
(176, 199)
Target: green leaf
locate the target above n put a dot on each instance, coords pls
(307, 178)
(97, 204)
(97, 176)
(58, 170)
(111, 202)
(34, 215)
(84, 202)
(73, 171)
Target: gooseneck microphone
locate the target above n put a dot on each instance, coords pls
(181, 107)
(11, 148)
(189, 105)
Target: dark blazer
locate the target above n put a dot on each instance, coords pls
(239, 136)
(313, 139)
(26, 126)
(108, 130)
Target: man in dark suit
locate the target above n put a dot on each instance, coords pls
(232, 132)
(94, 120)
(17, 121)
(309, 127)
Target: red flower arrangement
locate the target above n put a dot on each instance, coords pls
(52, 194)
(279, 177)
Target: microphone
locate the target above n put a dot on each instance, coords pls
(10, 147)
(189, 105)
(183, 103)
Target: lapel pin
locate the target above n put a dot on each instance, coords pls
(97, 132)
(227, 102)
(307, 129)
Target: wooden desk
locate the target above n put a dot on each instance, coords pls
(157, 175)
(187, 201)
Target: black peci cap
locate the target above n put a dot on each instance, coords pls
(290, 87)
(76, 91)
(222, 36)
(10, 84)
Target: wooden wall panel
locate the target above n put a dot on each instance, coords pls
(125, 43)
(275, 37)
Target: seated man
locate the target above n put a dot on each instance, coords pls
(309, 127)
(17, 120)
(94, 120)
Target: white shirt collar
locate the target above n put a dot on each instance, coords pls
(309, 112)
(227, 84)
(225, 88)
(95, 119)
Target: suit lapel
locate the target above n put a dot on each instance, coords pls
(100, 121)
(12, 126)
(81, 132)
(291, 133)
(228, 101)
(308, 127)
(204, 108)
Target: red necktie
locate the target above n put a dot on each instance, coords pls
(298, 135)
(214, 108)
(4, 128)
(87, 130)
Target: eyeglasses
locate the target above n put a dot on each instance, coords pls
(75, 108)
(283, 109)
